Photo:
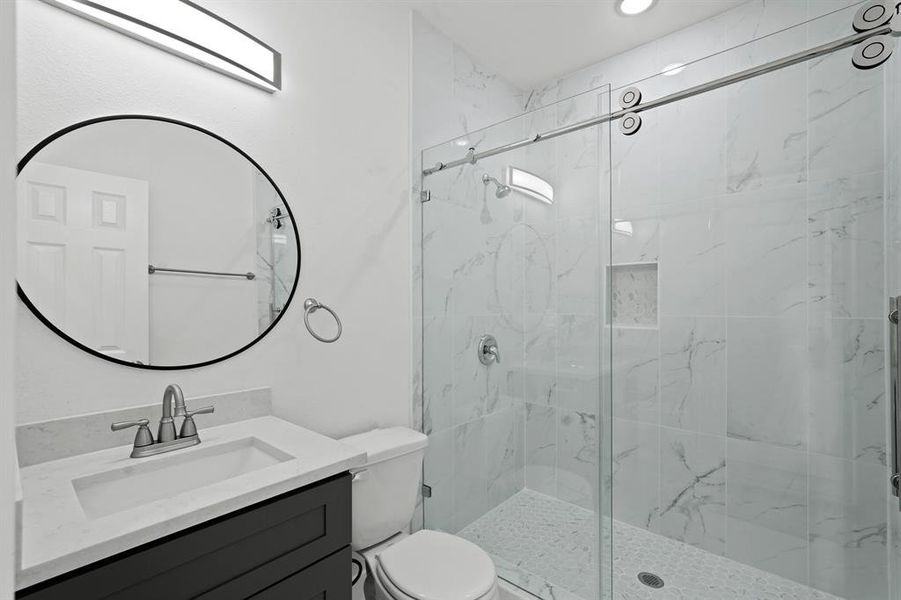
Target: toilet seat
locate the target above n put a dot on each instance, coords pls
(432, 565)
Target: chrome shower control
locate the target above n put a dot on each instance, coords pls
(487, 350)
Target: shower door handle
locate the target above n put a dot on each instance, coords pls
(895, 373)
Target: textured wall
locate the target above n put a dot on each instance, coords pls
(336, 139)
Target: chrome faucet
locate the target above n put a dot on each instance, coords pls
(166, 439)
(166, 431)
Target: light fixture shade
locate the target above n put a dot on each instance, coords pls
(190, 31)
(530, 184)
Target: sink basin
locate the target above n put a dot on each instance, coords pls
(109, 492)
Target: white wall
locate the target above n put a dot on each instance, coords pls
(7, 297)
(336, 142)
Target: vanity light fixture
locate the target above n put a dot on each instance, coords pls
(190, 31)
(673, 69)
(630, 8)
(530, 184)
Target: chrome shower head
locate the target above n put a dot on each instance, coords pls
(502, 190)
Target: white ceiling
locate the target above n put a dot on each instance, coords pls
(529, 42)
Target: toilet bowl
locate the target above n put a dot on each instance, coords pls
(425, 565)
(431, 565)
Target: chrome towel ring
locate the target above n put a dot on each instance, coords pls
(311, 305)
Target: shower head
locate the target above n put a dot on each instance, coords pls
(502, 190)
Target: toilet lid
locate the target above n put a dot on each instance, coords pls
(431, 565)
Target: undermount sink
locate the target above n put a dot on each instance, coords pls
(109, 492)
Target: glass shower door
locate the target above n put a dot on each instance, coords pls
(748, 287)
(515, 431)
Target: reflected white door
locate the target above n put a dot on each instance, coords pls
(83, 256)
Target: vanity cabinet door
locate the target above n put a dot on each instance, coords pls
(329, 579)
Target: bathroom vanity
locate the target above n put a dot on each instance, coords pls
(261, 509)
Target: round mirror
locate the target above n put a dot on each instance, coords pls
(153, 243)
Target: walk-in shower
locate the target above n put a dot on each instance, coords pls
(695, 397)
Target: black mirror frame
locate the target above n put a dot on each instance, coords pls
(24, 297)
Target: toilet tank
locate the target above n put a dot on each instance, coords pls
(384, 490)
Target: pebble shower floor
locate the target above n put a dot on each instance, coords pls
(546, 546)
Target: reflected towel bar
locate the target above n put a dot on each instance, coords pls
(151, 269)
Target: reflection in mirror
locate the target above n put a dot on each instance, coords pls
(152, 242)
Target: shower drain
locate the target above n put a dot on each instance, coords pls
(650, 580)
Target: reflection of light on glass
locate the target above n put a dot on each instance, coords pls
(462, 142)
(188, 31)
(279, 239)
(622, 227)
(673, 69)
(634, 7)
(530, 184)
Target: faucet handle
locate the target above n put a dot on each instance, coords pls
(143, 437)
(188, 427)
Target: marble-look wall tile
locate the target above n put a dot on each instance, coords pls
(693, 373)
(692, 270)
(845, 110)
(437, 373)
(540, 359)
(766, 504)
(504, 459)
(541, 449)
(766, 254)
(764, 147)
(577, 458)
(636, 467)
(845, 244)
(848, 527)
(848, 409)
(636, 365)
(579, 367)
(470, 486)
(693, 488)
(578, 270)
(767, 381)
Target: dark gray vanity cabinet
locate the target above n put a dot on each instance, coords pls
(292, 547)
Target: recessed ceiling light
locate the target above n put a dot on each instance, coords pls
(634, 7)
(673, 69)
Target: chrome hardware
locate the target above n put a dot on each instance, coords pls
(426, 491)
(143, 437)
(276, 216)
(471, 156)
(895, 373)
(166, 432)
(630, 123)
(487, 350)
(152, 269)
(311, 305)
(425, 196)
(871, 15)
(188, 428)
(630, 98)
(166, 440)
(873, 52)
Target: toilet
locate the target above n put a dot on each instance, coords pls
(426, 565)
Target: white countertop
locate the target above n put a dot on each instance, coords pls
(57, 536)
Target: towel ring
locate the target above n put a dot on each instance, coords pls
(311, 305)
